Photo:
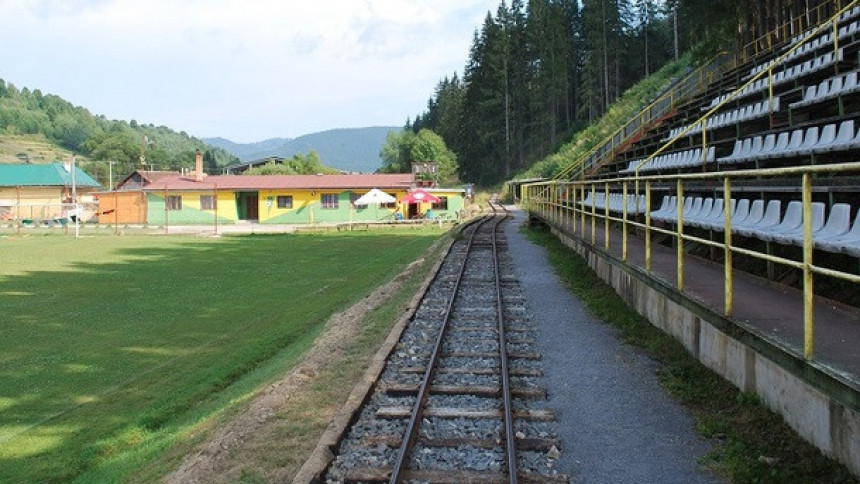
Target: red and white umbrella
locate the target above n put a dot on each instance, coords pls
(419, 196)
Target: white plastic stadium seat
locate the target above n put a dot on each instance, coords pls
(756, 212)
(742, 210)
(781, 145)
(839, 243)
(838, 223)
(715, 217)
(810, 139)
(792, 219)
(795, 236)
(767, 147)
(844, 137)
(826, 140)
(768, 220)
(664, 208)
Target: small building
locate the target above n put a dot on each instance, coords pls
(177, 199)
(39, 191)
(127, 204)
(246, 165)
(426, 174)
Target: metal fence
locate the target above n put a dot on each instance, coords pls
(572, 207)
(43, 215)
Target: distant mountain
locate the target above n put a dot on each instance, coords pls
(348, 149)
(37, 127)
(248, 151)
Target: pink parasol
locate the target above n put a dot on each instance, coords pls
(419, 196)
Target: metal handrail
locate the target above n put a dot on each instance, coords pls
(778, 36)
(645, 115)
(702, 121)
(738, 59)
(558, 201)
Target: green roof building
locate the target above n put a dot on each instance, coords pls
(50, 175)
(39, 192)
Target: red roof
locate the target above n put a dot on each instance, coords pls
(282, 182)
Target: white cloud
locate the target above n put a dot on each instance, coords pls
(244, 69)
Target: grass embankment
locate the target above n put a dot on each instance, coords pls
(114, 348)
(752, 444)
(35, 147)
(629, 105)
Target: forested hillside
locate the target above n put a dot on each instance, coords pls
(540, 70)
(97, 139)
(347, 149)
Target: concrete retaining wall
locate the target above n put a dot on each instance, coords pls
(820, 407)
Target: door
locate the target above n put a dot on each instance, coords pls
(252, 204)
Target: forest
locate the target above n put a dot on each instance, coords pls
(99, 140)
(540, 70)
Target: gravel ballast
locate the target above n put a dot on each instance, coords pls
(615, 421)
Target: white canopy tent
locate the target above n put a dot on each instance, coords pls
(374, 197)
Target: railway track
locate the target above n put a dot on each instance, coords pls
(459, 399)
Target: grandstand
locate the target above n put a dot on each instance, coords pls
(731, 219)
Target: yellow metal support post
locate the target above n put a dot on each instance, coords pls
(836, 46)
(770, 90)
(808, 293)
(606, 216)
(582, 210)
(571, 197)
(593, 214)
(680, 229)
(648, 226)
(727, 230)
(572, 208)
(624, 222)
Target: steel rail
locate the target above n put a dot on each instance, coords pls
(417, 414)
(510, 444)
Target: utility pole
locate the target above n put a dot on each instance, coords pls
(75, 199)
(143, 150)
(675, 27)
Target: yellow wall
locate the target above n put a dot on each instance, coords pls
(301, 199)
(191, 212)
(37, 202)
(307, 201)
(455, 203)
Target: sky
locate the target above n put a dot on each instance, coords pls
(246, 70)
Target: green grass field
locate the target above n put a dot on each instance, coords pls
(112, 347)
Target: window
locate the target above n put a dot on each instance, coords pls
(285, 201)
(174, 202)
(353, 197)
(442, 205)
(329, 200)
(208, 202)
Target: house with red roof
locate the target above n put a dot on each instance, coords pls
(172, 198)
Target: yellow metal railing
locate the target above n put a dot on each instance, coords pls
(816, 16)
(811, 17)
(703, 75)
(702, 121)
(560, 203)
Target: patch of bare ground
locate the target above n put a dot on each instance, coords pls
(31, 148)
(274, 435)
